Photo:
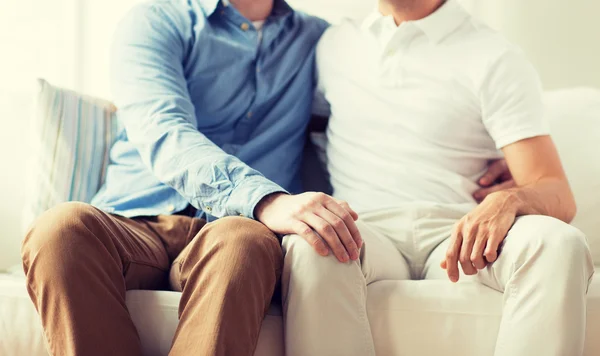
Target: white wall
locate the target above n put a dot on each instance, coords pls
(37, 38)
(101, 18)
(66, 41)
(561, 38)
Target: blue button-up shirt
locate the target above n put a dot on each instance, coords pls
(211, 113)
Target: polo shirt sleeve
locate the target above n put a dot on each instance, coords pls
(511, 97)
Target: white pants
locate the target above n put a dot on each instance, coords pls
(544, 269)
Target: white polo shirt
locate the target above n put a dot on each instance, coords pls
(417, 110)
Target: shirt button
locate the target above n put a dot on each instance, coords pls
(245, 26)
(249, 115)
(171, 207)
(208, 208)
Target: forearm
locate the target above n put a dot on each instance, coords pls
(210, 179)
(549, 196)
(150, 86)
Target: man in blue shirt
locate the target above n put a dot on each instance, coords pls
(214, 100)
(209, 95)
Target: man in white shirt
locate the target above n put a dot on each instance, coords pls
(421, 97)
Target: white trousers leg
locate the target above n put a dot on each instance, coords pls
(544, 269)
(324, 301)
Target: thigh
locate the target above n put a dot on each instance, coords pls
(528, 237)
(228, 245)
(83, 234)
(148, 245)
(533, 241)
(432, 269)
(379, 257)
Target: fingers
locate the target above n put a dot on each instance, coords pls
(329, 214)
(495, 170)
(347, 207)
(481, 194)
(451, 262)
(328, 233)
(493, 245)
(469, 237)
(345, 213)
(477, 258)
(309, 235)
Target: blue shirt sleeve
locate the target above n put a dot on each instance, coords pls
(150, 91)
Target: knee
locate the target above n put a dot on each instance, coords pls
(558, 242)
(302, 261)
(246, 240)
(562, 239)
(55, 235)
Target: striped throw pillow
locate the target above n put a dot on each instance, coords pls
(71, 135)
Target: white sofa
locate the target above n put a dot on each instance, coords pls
(412, 318)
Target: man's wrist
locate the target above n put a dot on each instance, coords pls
(248, 193)
(511, 200)
(264, 202)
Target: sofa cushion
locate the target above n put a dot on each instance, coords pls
(70, 137)
(406, 317)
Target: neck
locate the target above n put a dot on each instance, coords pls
(254, 10)
(408, 10)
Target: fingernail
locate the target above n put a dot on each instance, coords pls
(346, 257)
(360, 243)
(354, 255)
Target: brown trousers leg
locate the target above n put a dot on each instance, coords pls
(79, 262)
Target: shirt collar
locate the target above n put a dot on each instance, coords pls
(436, 26)
(210, 6)
(280, 7)
(443, 21)
(372, 20)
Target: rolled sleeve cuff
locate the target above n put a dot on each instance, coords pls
(249, 193)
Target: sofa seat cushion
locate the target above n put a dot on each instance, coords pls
(411, 318)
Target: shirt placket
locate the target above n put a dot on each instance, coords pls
(394, 53)
(244, 126)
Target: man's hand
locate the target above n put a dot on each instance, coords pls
(477, 236)
(310, 214)
(497, 178)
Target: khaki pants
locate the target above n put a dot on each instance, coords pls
(544, 269)
(79, 262)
